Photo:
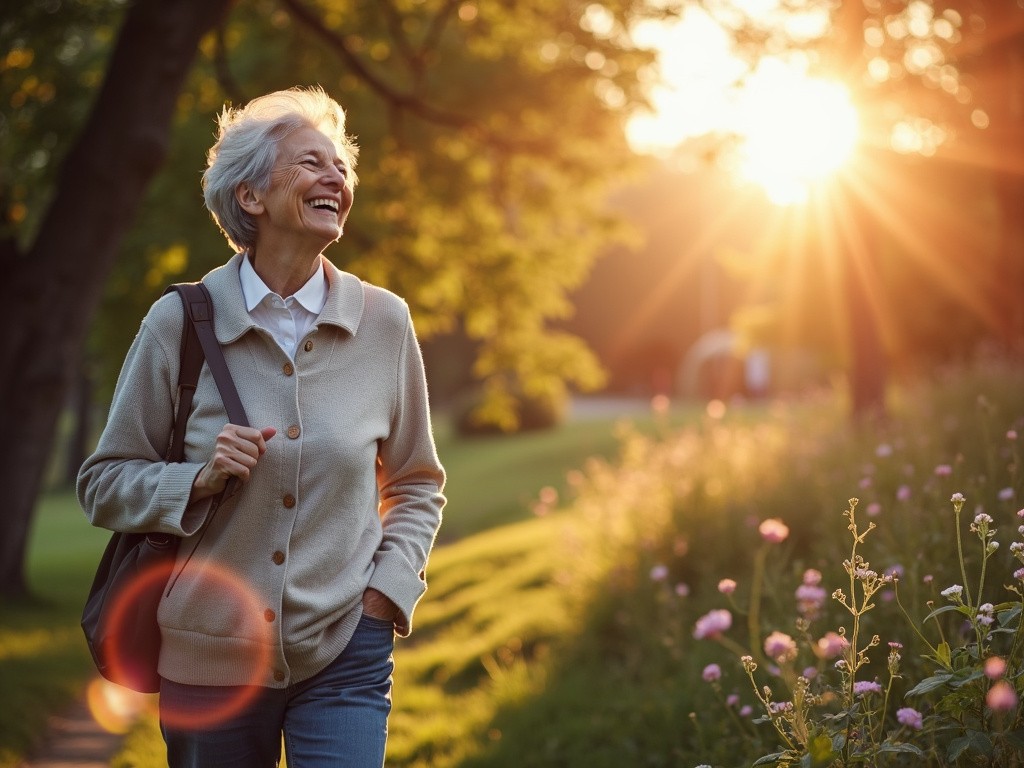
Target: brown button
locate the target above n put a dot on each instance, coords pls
(293, 431)
(308, 346)
(288, 501)
(269, 615)
(288, 369)
(278, 675)
(278, 557)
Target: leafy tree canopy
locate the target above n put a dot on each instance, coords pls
(489, 131)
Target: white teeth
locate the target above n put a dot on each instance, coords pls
(332, 204)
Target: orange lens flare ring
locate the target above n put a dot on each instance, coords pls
(230, 589)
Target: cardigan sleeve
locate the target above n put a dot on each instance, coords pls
(126, 485)
(410, 479)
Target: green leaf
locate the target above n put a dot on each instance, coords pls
(1015, 738)
(769, 759)
(974, 741)
(901, 749)
(947, 609)
(930, 684)
(1005, 617)
(945, 655)
(819, 752)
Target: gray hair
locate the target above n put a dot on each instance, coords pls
(246, 150)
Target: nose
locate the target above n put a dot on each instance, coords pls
(336, 176)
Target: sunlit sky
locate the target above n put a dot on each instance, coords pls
(793, 129)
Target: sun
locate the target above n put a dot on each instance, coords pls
(792, 130)
(795, 131)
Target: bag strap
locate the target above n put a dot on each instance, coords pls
(192, 357)
(199, 342)
(199, 316)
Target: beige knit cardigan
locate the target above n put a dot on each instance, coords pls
(347, 496)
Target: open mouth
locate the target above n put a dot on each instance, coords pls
(324, 204)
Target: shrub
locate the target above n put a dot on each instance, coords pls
(530, 413)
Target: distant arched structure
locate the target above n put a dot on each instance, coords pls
(712, 368)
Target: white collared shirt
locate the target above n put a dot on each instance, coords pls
(287, 320)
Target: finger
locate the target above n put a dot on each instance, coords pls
(264, 434)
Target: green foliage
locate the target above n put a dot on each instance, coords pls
(515, 411)
(51, 60)
(489, 132)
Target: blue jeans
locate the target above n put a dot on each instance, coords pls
(337, 718)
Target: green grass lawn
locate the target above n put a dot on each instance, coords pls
(44, 661)
(491, 481)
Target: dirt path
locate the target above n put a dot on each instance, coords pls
(75, 740)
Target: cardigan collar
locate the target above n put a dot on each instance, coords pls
(344, 307)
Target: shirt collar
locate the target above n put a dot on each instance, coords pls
(311, 296)
(346, 300)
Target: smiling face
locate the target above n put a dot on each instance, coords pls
(309, 197)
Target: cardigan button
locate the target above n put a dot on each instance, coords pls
(278, 557)
(288, 501)
(294, 431)
(269, 615)
(308, 346)
(279, 675)
(288, 369)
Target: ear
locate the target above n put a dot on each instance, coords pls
(248, 199)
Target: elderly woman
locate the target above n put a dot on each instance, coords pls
(283, 611)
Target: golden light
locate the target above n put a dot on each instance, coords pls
(114, 708)
(795, 131)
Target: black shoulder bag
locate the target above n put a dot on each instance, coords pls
(119, 618)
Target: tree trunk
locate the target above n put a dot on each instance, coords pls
(80, 436)
(56, 286)
(867, 362)
(1005, 55)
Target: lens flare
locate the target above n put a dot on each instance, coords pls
(213, 584)
(115, 708)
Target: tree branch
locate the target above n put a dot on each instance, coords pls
(222, 70)
(405, 101)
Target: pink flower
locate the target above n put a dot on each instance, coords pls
(711, 673)
(809, 599)
(712, 624)
(659, 573)
(727, 586)
(1006, 494)
(746, 710)
(995, 667)
(812, 576)
(773, 530)
(864, 687)
(831, 645)
(943, 470)
(909, 717)
(903, 493)
(732, 700)
(1001, 697)
(682, 589)
(780, 647)
(874, 509)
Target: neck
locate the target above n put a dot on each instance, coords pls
(283, 271)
